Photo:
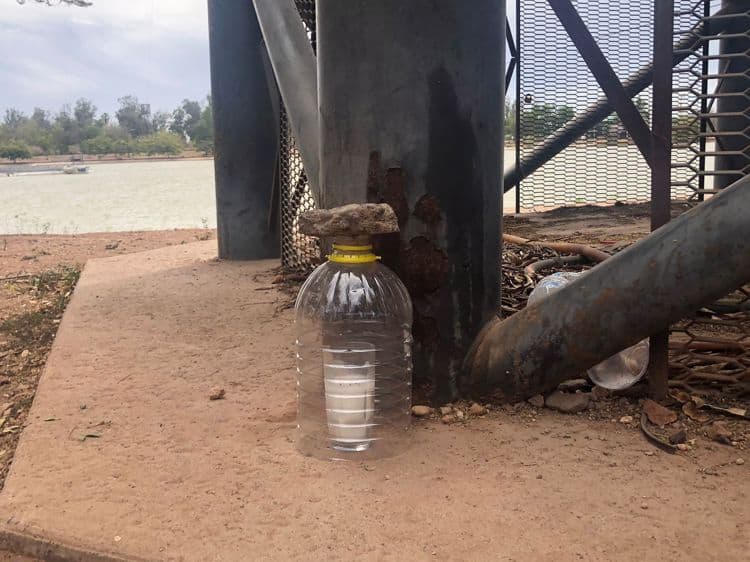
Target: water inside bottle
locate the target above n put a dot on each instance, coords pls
(349, 380)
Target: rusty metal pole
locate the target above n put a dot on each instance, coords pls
(411, 101)
(733, 101)
(661, 158)
(246, 132)
(634, 294)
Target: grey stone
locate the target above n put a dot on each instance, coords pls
(350, 221)
(573, 385)
(537, 401)
(567, 403)
(599, 393)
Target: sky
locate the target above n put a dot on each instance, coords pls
(156, 50)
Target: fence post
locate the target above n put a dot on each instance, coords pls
(661, 157)
(246, 131)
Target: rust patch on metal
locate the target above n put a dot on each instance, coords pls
(423, 266)
(374, 177)
(428, 209)
(394, 193)
(425, 330)
(387, 187)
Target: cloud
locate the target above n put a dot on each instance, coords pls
(154, 49)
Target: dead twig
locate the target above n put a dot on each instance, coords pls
(536, 267)
(563, 247)
(663, 445)
(16, 277)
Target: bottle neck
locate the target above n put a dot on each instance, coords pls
(352, 253)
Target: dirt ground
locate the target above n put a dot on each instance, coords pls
(173, 475)
(516, 483)
(37, 275)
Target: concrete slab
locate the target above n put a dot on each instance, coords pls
(166, 474)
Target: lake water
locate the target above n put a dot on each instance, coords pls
(113, 197)
(126, 196)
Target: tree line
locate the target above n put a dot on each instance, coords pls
(133, 129)
(539, 121)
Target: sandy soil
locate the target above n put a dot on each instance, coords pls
(175, 476)
(519, 483)
(23, 254)
(37, 274)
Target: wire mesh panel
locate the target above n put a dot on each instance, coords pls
(297, 250)
(711, 113)
(711, 149)
(713, 346)
(603, 165)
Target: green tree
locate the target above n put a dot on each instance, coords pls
(65, 131)
(41, 118)
(541, 120)
(134, 116)
(186, 118)
(14, 150)
(13, 120)
(509, 124)
(84, 113)
(203, 132)
(162, 142)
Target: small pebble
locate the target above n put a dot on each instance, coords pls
(448, 418)
(421, 411)
(537, 401)
(644, 506)
(683, 446)
(649, 453)
(217, 393)
(459, 415)
(477, 410)
(445, 410)
(25, 353)
(626, 419)
(740, 461)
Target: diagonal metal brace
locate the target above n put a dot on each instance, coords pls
(601, 69)
(295, 67)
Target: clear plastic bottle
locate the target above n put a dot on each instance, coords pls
(353, 323)
(618, 372)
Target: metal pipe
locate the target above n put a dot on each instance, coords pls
(295, 68)
(600, 110)
(634, 294)
(246, 132)
(407, 121)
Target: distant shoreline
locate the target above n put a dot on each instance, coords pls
(64, 159)
(54, 165)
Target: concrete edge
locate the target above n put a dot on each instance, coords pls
(50, 550)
